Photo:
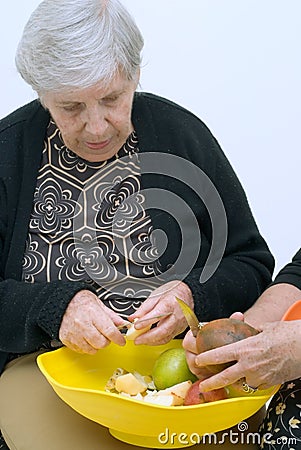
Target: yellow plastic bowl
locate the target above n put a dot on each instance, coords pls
(80, 380)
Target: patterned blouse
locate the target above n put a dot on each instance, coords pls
(88, 223)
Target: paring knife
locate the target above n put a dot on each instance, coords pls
(127, 324)
(192, 320)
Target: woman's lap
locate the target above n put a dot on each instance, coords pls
(33, 417)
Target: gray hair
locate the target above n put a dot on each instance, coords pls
(77, 43)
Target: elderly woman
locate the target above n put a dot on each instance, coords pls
(113, 202)
(272, 357)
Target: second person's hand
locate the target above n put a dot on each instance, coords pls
(267, 359)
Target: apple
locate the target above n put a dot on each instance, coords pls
(195, 397)
(171, 368)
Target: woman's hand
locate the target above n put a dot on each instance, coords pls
(189, 345)
(163, 300)
(267, 359)
(89, 325)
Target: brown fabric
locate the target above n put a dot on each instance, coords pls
(32, 416)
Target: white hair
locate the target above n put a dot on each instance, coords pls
(77, 43)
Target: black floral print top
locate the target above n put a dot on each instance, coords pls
(88, 223)
(281, 428)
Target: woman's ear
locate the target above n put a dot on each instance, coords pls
(41, 100)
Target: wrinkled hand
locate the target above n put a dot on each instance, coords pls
(189, 345)
(162, 300)
(267, 359)
(89, 325)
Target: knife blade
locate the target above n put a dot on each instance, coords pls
(192, 320)
(127, 324)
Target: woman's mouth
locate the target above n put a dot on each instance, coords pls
(97, 145)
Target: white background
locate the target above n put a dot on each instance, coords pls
(236, 64)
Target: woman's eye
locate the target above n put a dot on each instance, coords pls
(110, 99)
(71, 108)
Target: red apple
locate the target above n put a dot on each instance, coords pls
(195, 397)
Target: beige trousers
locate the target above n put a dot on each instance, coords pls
(33, 417)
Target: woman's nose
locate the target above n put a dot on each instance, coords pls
(95, 122)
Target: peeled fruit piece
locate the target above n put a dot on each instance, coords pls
(110, 385)
(163, 399)
(195, 397)
(179, 389)
(130, 384)
(222, 332)
(172, 396)
(171, 368)
(132, 333)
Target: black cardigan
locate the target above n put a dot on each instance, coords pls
(30, 314)
(291, 272)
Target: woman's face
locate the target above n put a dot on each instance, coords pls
(96, 121)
